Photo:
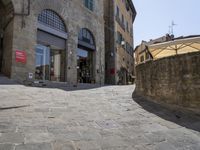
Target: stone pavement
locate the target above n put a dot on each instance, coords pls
(99, 118)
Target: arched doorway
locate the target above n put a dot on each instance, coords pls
(51, 47)
(123, 76)
(2, 14)
(6, 15)
(85, 57)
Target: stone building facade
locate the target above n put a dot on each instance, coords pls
(119, 16)
(56, 40)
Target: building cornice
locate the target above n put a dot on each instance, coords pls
(132, 8)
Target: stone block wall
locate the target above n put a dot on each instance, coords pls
(76, 16)
(174, 81)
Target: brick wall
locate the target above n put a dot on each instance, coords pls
(174, 81)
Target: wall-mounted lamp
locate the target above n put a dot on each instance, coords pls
(122, 43)
(111, 54)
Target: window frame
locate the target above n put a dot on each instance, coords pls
(89, 4)
(52, 20)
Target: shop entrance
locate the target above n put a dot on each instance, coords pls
(85, 66)
(49, 64)
(1, 51)
(123, 76)
(85, 57)
(6, 20)
(2, 15)
(50, 53)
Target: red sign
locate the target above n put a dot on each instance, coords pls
(20, 56)
(112, 71)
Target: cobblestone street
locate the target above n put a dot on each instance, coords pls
(96, 118)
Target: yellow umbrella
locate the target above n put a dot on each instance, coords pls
(175, 47)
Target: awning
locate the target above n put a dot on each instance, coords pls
(176, 47)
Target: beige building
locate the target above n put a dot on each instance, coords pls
(52, 40)
(119, 16)
(141, 51)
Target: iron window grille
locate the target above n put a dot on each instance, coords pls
(89, 4)
(52, 20)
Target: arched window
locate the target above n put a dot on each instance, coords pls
(51, 19)
(86, 36)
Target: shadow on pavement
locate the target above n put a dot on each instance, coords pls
(5, 81)
(63, 86)
(185, 119)
(68, 87)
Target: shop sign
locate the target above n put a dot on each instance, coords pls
(30, 75)
(112, 71)
(20, 56)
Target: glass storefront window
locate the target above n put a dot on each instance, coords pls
(85, 66)
(49, 64)
(57, 65)
(42, 63)
(85, 57)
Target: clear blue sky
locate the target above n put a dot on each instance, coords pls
(155, 16)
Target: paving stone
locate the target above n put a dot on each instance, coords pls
(194, 146)
(153, 127)
(32, 129)
(105, 118)
(90, 135)
(6, 147)
(7, 127)
(88, 145)
(164, 146)
(119, 148)
(68, 136)
(156, 137)
(63, 146)
(38, 137)
(107, 124)
(34, 146)
(114, 141)
(144, 147)
(13, 138)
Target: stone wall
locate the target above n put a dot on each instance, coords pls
(174, 81)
